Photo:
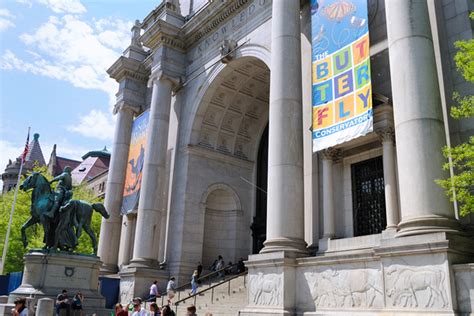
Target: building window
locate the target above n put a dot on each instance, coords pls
(368, 194)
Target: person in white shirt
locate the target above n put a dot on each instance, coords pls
(153, 291)
(138, 310)
(171, 287)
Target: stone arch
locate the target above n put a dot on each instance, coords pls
(222, 209)
(230, 101)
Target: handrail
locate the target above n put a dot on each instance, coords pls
(184, 286)
(209, 289)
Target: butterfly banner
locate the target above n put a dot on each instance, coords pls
(136, 157)
(341, 83)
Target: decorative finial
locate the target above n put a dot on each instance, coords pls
(36, 136)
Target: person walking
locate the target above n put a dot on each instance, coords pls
(194, 284)
(153, 292)
(220, 264)
(171, 288)
(199, 269)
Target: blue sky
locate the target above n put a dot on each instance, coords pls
(53, 60)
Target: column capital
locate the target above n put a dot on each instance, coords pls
(124, 106)
(386, 134)
(331, 153)
(158, 74)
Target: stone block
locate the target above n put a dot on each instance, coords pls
(47, 274)
(464, 277)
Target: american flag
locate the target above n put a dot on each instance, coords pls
(27, 148)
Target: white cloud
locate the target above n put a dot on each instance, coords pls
(5, 24)
(77, 51)
(6, 14)
(5, 20)
(71, 49)
(96, 124)
(64, 6)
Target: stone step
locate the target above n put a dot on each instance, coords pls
(221, 304)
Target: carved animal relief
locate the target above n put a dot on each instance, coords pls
(265, 289)
(346, 288)
(416, 287)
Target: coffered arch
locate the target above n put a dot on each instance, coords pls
(234, 109)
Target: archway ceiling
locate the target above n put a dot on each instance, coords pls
(237, 111)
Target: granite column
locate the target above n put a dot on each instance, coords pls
(418, 120)
(285, 218)
(111, 227)
(390, 178)
(145, 252)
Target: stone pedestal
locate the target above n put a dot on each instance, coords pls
(136, 281)
(271, 284)
(47, 274)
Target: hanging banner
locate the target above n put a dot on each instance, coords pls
(136, 157)
(341, 87)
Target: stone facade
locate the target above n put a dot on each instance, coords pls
(214, 75)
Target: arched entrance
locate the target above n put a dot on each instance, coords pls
(229, 142)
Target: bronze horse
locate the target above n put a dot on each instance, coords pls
(64, 230)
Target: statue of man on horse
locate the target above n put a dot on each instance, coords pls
(62, 218)
(63, 191)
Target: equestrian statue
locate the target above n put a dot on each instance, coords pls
(62, 218)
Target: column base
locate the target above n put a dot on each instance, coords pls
(108, 269)
(271, 284)
(293, 245)
(136, 281)
(144, 263)
(428, 224)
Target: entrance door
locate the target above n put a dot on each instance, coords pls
(259, 225)
(368, 195)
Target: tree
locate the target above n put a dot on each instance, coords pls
(462, 156)
(14, 260)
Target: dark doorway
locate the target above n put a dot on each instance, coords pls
(368, 195)
(259, 225)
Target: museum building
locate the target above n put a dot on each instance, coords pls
(227, 166)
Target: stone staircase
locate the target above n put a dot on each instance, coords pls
(218, 303)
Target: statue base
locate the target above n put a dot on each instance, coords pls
(46, 274)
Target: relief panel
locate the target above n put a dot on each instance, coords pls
(345, 288)
(416, 286)
(265, 289)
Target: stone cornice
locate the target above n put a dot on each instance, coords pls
(162, 33)
(164, 7)
(210, 18)
(125, 68)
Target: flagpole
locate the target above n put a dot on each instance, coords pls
(7, 237)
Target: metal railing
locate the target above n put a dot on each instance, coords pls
(178, 290)
(211, 288)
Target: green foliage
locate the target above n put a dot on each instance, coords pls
(14, 260)
(462, 156)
